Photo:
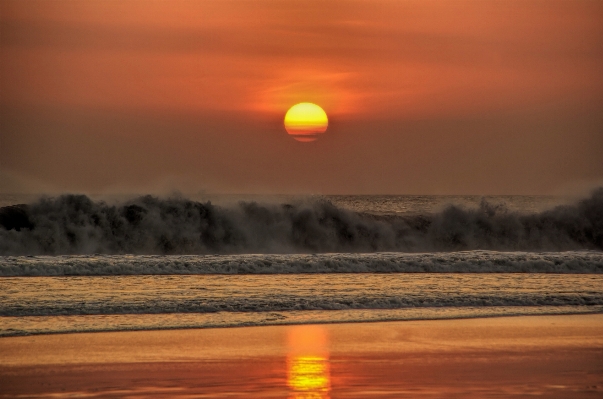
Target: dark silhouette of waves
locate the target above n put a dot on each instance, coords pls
(75, 224)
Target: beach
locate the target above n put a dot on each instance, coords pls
(178, 299)
(549, 356)
(301, 199)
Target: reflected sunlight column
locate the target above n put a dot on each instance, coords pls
(308, 371)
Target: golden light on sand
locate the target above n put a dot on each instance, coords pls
(305, 121)
(308, 370)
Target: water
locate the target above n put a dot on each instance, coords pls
(76, 224)
(380, 262)
(376, 204)
(72, 264)
(423, 204)
(69, 304)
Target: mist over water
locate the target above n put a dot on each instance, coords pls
(76, 224)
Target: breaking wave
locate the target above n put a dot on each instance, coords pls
(74, 224)
(388, 262)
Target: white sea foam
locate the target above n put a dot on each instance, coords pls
(106, 303)
(108, 295)
(386, 262)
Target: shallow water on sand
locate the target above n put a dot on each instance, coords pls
(113, 303)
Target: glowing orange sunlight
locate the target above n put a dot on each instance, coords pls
(308, 369)
(305, 121)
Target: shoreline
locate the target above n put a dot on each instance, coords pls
(282, 324)
(552, 355)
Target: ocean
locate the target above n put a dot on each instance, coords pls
(73, 263)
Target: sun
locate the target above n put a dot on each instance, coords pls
(305, 121)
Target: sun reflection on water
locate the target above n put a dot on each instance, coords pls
(308, 370)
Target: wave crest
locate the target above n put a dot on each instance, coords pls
(74, 224)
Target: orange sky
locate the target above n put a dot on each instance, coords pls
(423, 97)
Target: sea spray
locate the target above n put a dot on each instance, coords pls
(74, 224)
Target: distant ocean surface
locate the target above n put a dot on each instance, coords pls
(380, 204)
(73, 263)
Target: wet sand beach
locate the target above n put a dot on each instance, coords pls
(548, 356)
